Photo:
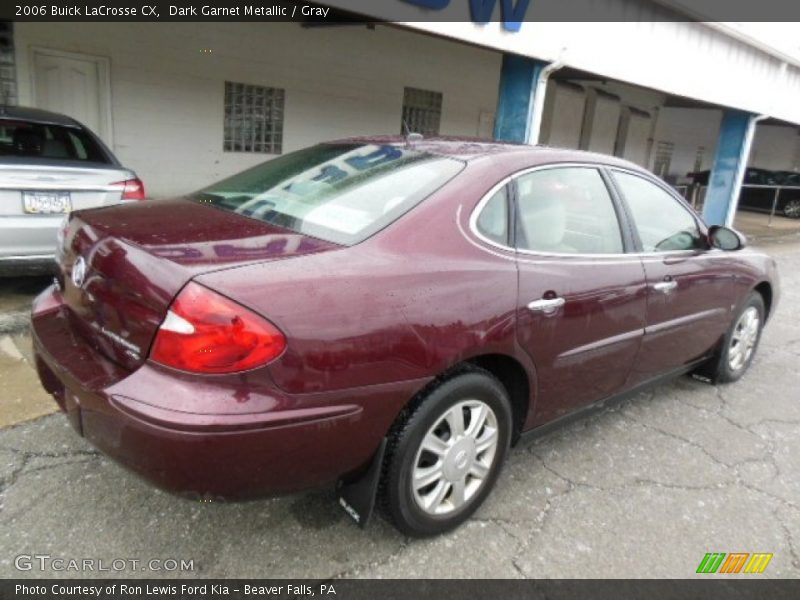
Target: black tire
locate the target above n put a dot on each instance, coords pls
(404, 451)
(719, 368)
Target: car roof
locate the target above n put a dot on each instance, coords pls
(36, 115)
(466, 148)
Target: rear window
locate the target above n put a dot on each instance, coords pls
(342, 193)
(36, 140)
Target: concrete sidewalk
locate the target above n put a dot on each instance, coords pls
(760, 230)
(20, 398)
(643, 489)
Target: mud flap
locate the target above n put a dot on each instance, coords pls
(357, 497)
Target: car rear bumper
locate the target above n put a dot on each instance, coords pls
(291, 442)
(35, 264)
(28, 235)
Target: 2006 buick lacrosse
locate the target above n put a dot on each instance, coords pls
(385, 313)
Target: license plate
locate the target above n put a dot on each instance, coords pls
(46, 203)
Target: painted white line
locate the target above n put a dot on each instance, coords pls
(7, 346)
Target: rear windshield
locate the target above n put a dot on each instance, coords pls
(342, 193)
(36, 140)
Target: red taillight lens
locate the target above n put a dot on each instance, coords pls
(205, 332)
(132, 189)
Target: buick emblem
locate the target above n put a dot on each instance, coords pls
(78, 272)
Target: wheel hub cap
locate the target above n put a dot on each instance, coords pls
(455, 457)
(744, 338)
(459, 458)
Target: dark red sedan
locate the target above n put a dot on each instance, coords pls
(388, 314)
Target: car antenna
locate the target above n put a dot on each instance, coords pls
(411, 136)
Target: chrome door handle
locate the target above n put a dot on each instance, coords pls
(546, 305)
(665, 286)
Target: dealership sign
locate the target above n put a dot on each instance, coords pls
(512, 12)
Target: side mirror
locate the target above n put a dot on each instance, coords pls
(725, 238)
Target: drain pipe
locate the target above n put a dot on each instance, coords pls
(538, 99)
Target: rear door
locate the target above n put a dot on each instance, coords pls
(689, 287)
(581, 305)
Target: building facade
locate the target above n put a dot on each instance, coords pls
(185, 104)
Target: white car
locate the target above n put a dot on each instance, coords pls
(50, 165)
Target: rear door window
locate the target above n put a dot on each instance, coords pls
(566, 210)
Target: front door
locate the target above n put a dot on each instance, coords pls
(581, 305)
(72, 84)
(689, 286)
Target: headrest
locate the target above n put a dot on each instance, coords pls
(55, 149)
(542, 213)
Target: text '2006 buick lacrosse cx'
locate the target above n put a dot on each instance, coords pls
(385, 313)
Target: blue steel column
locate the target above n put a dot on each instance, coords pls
(730, 161)
(518, 80)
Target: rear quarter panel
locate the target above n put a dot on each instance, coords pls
(405, 304)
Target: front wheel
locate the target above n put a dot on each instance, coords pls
(740, 343)
(444, 457)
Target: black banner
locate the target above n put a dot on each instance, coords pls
(511, 13)
(734, 588)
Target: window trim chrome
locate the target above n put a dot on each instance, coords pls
(473, 220)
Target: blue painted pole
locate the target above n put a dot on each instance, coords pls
(730, 161)
(518, 79)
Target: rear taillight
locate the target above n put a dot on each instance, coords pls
(205, 332)
(132, 189)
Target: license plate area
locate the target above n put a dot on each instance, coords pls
(46, 203)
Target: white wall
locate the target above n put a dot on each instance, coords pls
(688, 129)
(776, 147)
(591, 114)
(688, 59)
(563, 115)
(637, 134)
(167, 96)
(601, 122)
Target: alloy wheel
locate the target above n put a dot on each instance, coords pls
(792, 209)
(744, 338)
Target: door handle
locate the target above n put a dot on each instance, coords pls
(546, 305)
(665, 286)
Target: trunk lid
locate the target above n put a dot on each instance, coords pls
(87, 186)
(122, 266)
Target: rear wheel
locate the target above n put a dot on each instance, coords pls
(445, 455)
(740, 343)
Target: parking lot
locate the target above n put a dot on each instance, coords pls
(641, 489)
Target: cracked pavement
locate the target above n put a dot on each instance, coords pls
(643, 488)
